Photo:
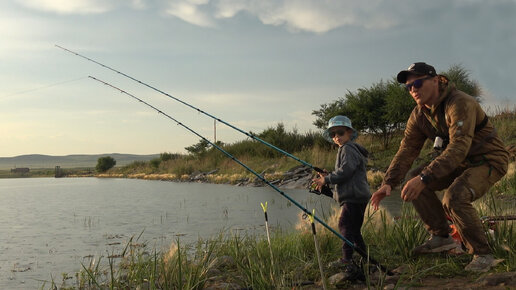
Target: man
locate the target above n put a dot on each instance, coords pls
(471, 160)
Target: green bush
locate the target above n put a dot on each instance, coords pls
(105, 163)
(154, 163)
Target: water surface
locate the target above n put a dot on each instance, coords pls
(50, 226)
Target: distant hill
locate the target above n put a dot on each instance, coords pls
(68, 161)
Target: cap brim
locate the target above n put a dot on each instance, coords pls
(403, 75)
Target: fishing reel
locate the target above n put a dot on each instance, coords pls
(325, 190)
(312, 187)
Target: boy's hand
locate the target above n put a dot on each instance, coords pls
(381, 193)
(319, 180)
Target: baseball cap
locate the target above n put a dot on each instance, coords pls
(417, 68)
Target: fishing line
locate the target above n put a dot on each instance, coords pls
(44, 87)
(306, 211)
(197, 109)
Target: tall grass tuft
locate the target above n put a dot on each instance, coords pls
(205, 263)
(394, 236)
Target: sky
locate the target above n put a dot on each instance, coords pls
(251, 63)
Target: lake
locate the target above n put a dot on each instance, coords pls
(50, 226)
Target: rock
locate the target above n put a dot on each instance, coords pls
(213, 272)
(144, 286)
(275, 181)
(401, 269)
(195, 173)
(201, 176)
(499, 279)
(393, 279)
(295, 169)
(297, 181)
(212, 171)
(337, 278)
(242, 182)
(389, 287)
(224, 285)
(225, 262)
(379, 277)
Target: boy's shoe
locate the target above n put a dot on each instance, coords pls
(354, 273)
(351, 271)
(435, 244)
(338, 265)
(482, 263)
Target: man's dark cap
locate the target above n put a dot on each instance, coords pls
(417, 68)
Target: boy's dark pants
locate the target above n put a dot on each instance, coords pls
(350, 224)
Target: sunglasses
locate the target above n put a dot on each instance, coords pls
(417, 83)
(337, 132)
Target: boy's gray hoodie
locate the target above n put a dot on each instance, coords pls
(350, 175)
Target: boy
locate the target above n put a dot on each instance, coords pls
(351, 187)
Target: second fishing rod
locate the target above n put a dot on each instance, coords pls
(306, 211)
(198, 110)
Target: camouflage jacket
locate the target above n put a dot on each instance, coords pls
(472, 138)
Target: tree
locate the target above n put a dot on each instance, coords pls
(105, 163)
(380, 110)
(385, 107)
(461, 78)
(399, 104)
(155, 162)
(166, 156)
(327, 111)
(199, 148)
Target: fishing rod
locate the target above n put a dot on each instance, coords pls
(198, 110)
(306, 211)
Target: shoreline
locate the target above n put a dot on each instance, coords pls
(296, 178)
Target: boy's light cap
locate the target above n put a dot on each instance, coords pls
(339, 121)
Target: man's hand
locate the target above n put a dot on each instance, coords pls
(412, 189)
(380, 194)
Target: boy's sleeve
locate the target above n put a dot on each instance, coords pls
(348, 164)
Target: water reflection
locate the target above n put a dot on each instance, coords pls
(50, 226)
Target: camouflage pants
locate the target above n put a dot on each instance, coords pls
(463, 186)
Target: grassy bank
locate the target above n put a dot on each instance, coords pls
(240, 260)
(228, 171)
(264, 160)
(49, 172)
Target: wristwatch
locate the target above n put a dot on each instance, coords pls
(425, 178)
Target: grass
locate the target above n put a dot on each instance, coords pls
(244, 260)
(46, 172)
(265, 160)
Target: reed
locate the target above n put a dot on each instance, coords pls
(243, 259)
(309, 146)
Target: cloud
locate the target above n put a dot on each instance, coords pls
(138, 4)
(69, 6)
(317, 16)
(191, 12)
